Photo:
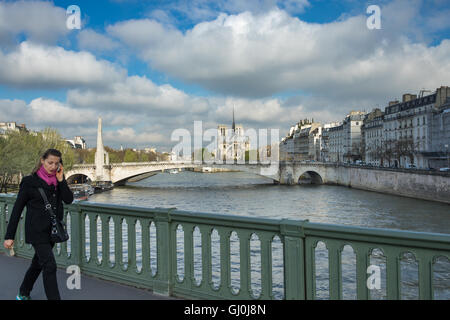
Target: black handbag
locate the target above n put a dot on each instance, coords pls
(59, 230)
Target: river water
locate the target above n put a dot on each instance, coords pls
(245, 194)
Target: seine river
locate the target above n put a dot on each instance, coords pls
(243, 194)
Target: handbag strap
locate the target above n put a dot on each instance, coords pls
(48, 206)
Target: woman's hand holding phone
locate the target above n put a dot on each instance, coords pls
(59, 173)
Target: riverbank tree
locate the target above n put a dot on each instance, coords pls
(20, 152)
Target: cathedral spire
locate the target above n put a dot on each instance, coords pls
(233, 126)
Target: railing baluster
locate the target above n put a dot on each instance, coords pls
(294, 259)
(93, 237)
(2, 220)
(245, 290)
(118, 263)
(362, 263)
(225, 262)
(145, 245)
(131, 223)
(392, 273)
(266, 266)
(206, 258)
(21, 231)
(64, 244)
(310, 262)
(9, 206)
(425, 275)
(83, 216)
(105, 241)
(166, 253)
(188, 255)
(335, 269)
(77, 238)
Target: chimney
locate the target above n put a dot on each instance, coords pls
(442, 94)
(391, 103)
(408, 97)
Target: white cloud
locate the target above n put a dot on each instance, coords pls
(131, 137)
(141, 95)
(40, 21)
(90, 40)
(10, 110)
(252, 111)
(203, 10)
(257, 55)
(52, 112)
(40, 66)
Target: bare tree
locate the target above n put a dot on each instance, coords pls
(406, 147)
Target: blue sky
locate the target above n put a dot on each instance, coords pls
(151, 67)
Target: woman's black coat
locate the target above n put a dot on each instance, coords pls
(37, 221)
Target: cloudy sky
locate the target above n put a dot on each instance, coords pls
(151, 67)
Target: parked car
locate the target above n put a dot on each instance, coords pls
(410, 166)
(444, 169)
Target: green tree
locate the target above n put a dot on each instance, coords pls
(51, 138)
(152, 156)
(84, 156)
(20, 153)
(130, 156)
(143, 157)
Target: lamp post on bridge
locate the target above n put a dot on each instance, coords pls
(448, 159)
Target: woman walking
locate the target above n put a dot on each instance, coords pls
(48, 175)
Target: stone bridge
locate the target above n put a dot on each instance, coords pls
(119, 173)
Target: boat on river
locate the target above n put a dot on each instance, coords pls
(81, 191)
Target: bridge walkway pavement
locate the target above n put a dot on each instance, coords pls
(13, 269)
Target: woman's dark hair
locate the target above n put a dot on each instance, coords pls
(52, 152)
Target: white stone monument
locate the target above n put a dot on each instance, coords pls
(101, 157)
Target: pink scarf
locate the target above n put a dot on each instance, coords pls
(50, 178)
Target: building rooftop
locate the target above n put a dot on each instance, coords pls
(415, 103)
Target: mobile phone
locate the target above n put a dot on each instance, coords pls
(10, 252)
(59, 168)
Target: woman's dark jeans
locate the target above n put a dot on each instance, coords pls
(43, 260)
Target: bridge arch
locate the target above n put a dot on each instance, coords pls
(310, 177)
(79, 178)
(121, 176)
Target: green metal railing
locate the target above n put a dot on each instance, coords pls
(298, 240)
